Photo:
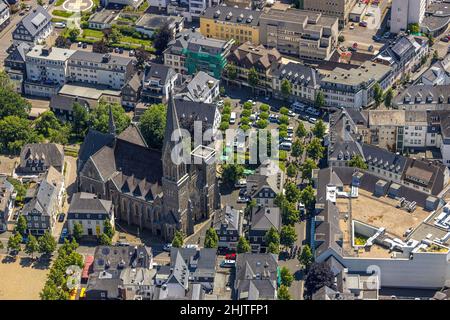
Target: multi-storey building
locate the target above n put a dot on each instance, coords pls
(353, 88)
(304, 80)
(406, 12)
(201, 88)
(227, 23)
(34, 28)
(42, 208)
(248, 56)
(6, 202)
(191, 52)
(46, 70)
(100, 69)
(300, 33)
(4, 15)
(158, 81)
(337, 8)
(15, 65)
(149, 24)
(403, 54)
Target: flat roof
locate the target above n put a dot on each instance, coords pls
(54, 54)
(88, 92)
(367, 71)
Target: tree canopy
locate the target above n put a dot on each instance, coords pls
(319, 275)
(178, 239)
(99, 117)
(153, 124)
(243, 245)
(357, 162)
(211, 238)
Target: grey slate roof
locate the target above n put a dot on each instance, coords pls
(52, 154)
(233, 15)
(88, 203)
(256, 275)
(298, 73)
(66, 103)
(94, 141)
(36, 20)
(158, 71)
(264, 218)
(198, 88)
(227, 216)
(418, 94)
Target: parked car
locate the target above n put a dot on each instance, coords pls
(230, 256)
(120, 50)
(363, 24)
(167, 247)
(243, 199)
(312, 120)
(80, 44)
(60, 25)
(191, 246)
(286, 146)
(61, 217)
(228, 264)
(84, 45)
(444, 39)
(131, 53)
(64, 234)
(241, 183)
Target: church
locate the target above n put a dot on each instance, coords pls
(147, 188)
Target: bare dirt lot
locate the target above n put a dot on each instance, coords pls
(382, 212)
(8, 164)
(20, 279)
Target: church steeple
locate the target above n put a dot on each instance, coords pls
(172, 170)
(112, 125)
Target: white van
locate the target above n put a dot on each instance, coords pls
(233, 118)
(286, 146)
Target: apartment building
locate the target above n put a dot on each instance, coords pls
(4, 15)
(149, 24)
(46, 70)
(405, 12)
(248, 56)
(353, 88)
(336, 8)
(100, 69)
(304, 34)
(304, 80)
(157, 82)
(227, 23)
(33, 28)
(200, 88)
(403, 55)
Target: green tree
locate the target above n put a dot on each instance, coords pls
(283, 119)
(46, 121)
(301, 130)
(262, 124)
(12, 103)
(14, 242)
(286, 277)
(289, 213)
(292, 192)
(307, 197)
(243, 245)
(99, 117)
(305, 257)
(378, 94)
(21, 226)
(272, 236)
(273, 248)
(315, 149)
(80, 119)
(320, 100)
(319, 129)
(47, 244)
(435, 55)
(211, 238)
(319, 275)
(16, 132)
(357, 162)
(231, 173)
(388, 98)
(264, 107)
(162, 38)
(414, 28)
(231, 71)
(291, 170)
(253, 78)
(108, 229)
(307, 168)
(1, 245)
(52, 292)
(78, 231)
(153, 124)
(73, 34)
(104, 240)
(178, 239)
(32, 246)
(341, 38)
(297, 148)
(288, 236)
(283, 293)
(286, 88)
(284, 111)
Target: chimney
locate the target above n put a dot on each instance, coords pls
(46, 51)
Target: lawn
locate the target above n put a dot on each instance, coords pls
(131, 40)
(90, 33)
(59, 3)
(62, 13)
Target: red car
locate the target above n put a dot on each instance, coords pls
(230, 256)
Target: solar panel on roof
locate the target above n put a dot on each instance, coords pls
(38, 19)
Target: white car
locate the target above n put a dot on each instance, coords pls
(191, 246)
(60, 25)
(312, 120)
(286, 146)
(241, 183)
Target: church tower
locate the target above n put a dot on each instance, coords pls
(175, 181)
